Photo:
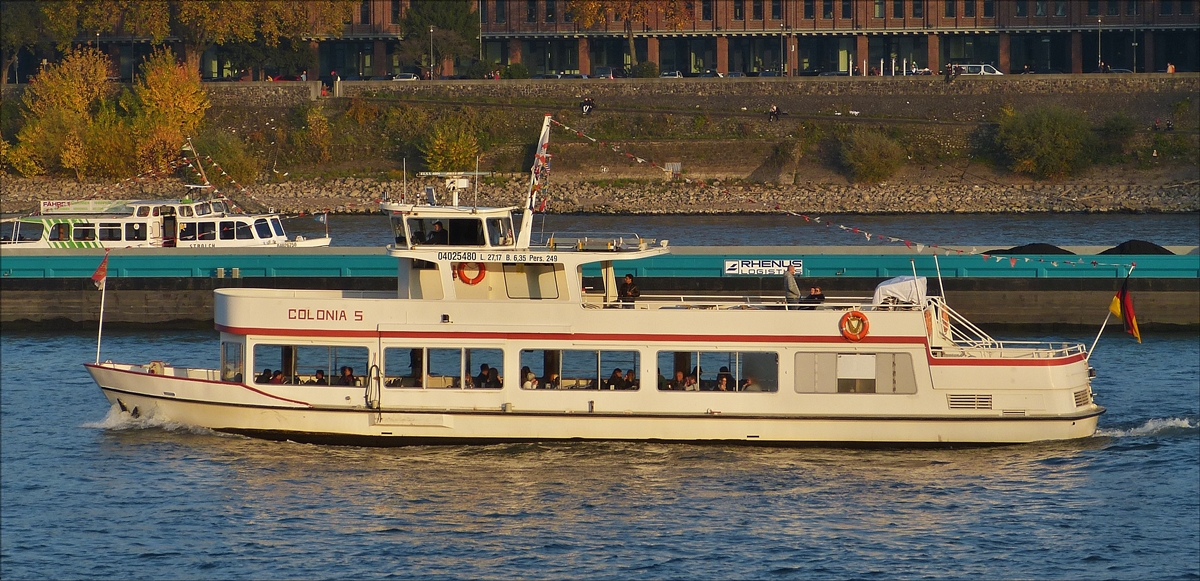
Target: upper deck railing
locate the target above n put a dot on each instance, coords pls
(592, 241)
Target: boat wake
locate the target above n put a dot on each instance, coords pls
(117, 420)
(1155, 427)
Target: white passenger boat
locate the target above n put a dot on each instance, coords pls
(493, 338)
(147, 224)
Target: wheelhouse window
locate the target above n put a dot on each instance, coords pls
(84, 232)
(444, 368)
(311, 364)
(232, 361)
(17, 231)
(60, 232)
(277, 226)
(143, 211)
(500, 231)
(443, 231)
(185, 211)
(135, 231)
(262, 228)
(203, 209)
(580, 369)
(750, 371)
(890, 373)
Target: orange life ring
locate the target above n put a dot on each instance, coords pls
(462, 273)
(854, 326)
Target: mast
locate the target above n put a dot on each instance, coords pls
(537, 175)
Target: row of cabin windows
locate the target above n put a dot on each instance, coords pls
(575, 369)
(453, 231)
(136, 231)
(202, 209)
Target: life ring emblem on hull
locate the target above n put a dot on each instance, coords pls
(462, 273)
(854, 326)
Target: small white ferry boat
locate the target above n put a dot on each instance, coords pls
(147, 224)
(490, 337)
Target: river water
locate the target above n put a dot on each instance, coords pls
(89, 493)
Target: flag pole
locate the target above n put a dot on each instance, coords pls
(100, 329)
(1105, 323)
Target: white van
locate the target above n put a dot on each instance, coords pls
(977, 70)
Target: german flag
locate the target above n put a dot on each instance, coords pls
(1122, 306)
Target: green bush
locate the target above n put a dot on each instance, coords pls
(231, 152)
(1049, 142)
(1114, 136)
(515, 71)
(869, 156)
(480, 69)
(451, 146)
(314, 141)
(646, 70)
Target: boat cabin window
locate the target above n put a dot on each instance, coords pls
(439, 368)
(311, 364)
(60, 232)
(109, 231)
(852, 373)
(143, 211)
(451, 231)
(84, 232)
(162, 210)
(185, 211)
(219, 207)
(750, 371)
(580, 369)
(277, 226)
(206, 230)
(262, 228)
(227, 230)
(187, 231)
(232, 361)
(17, 231)
(398, 230)
(203, 209)
(135, 231)
(500, 231)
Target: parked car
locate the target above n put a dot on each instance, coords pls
(835, 74)
(977, 70)
(572, 76)
(735, 74)
(608, 73)
(405, 77)
(547, 76)
(711, 74)
(670, 75)
(769, 74)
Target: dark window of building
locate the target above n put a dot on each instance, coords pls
(364, 12)
(1022, 8)
(706, 9)
(1185, 6)
(1039, 8)
(501, 7)
(396, 11)
(847, 9)
(989, 8)
(1131, 7)
(739, 9)
(776, 9)
(1164, 7)
(827, 9)
(756, 10)
(1093, 7)
(918, 8)
(1060, 7)
(969, 8)
(550, 15)
(878, 9)
(898, 9)
(808, 9)
(531, 11)
(950, 8)
(1113, 8)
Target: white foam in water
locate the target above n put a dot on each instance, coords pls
(118, 420)
(1151, 428)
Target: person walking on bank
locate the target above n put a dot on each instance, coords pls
(791, 290)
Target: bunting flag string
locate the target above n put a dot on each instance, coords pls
(870, 237)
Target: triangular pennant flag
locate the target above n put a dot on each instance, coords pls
(1012, 262)
(920, 246)
(908, 243)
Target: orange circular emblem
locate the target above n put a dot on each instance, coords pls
(854, 325)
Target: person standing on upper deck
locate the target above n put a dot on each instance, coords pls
(791, 290)
(628, 292)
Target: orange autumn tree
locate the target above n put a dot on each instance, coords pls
(172, 105)
(674, 14)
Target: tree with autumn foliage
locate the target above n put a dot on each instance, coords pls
(172, 105)
(587, 14)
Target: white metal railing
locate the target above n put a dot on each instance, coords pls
(968, 340)
(719, 302)
(592, 241)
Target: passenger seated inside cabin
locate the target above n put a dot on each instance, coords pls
(493, 380)
(730, 384)
(630, 380)
(689, 384)
(318, 378)
(751, 384)
(531, 382)
(265, 376)
(615, 381)
(551, 381)
(481, 379)
(347, 376)
(677, 383)
(277, 377)
(438, 236)
(723, 384)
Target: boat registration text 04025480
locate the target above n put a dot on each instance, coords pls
(497, 257)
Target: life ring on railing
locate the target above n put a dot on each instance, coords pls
(462, 273)
(854, 326)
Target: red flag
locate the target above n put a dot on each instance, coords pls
(101, 275)
(1122, 306)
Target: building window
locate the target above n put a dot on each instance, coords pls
(1165, 7)
(1093, 7)
(1039, 8)
(706, 9)
(1060, 7)
(1185, 6)
(531, 11)
(396, 11)
(364, 12)
(808, 9)
(1131, 8)
(1022, 8)
(550, 16)
(827, 9)
(989, 8)
(918, 8)
(776, 9)
(501, 7)
(878, 12)
(969, 8)
(739, 9)
(898, 9)
(756, 10)
(950, 8)
(847, 9)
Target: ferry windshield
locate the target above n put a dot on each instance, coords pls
(203, 209)
(277, 226)
(447, 231)
(20, 231)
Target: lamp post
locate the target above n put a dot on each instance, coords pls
(431, 52)
(1099, 60)
(1135, 52)
(782, 52)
